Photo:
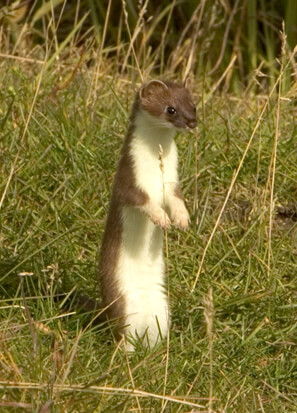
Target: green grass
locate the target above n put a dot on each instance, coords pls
(233, 338)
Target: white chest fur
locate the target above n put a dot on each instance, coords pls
(148, 144)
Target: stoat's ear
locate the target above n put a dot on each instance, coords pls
(151, 88)
(188, 83)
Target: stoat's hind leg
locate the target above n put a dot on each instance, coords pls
(149, 328)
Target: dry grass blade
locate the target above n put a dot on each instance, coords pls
(16, 405)
(220, 80)
(64, 43)
(46, 407)
(70, 362)
(191, 60)
(102, 389)
(96, 74)
(209, 316)
(274, 153)
(225, 38)
(131, 378)
(14, 163)
(162, 169)
(133, 38)
(235, 174)
(29, 318)
(67, 82)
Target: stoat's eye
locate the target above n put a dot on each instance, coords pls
(171, 110)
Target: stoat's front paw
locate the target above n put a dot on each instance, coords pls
(180, 215)
(160, 218)
(157, 215)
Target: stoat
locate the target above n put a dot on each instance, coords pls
(145, 199)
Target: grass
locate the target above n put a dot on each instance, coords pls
(186, 36)
(232, 345)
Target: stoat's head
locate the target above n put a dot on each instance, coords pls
(170, 102)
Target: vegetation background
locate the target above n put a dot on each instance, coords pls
(68, 74)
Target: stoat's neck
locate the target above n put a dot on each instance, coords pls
(153, 132)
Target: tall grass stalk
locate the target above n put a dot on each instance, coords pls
(273, 161)
(133, 38)
(161, 160)
(99, 60)
(233, 180)
(209, 316)
(252, 33)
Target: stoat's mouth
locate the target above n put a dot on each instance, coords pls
(184, 126)
(179, 126)
(191, 128)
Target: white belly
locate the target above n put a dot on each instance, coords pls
(140, 272)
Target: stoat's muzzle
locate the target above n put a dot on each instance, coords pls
(191, 123)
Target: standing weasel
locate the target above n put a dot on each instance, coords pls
(131, 258)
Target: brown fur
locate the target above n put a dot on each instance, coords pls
(124, 192)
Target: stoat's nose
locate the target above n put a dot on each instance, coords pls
(192, 123)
